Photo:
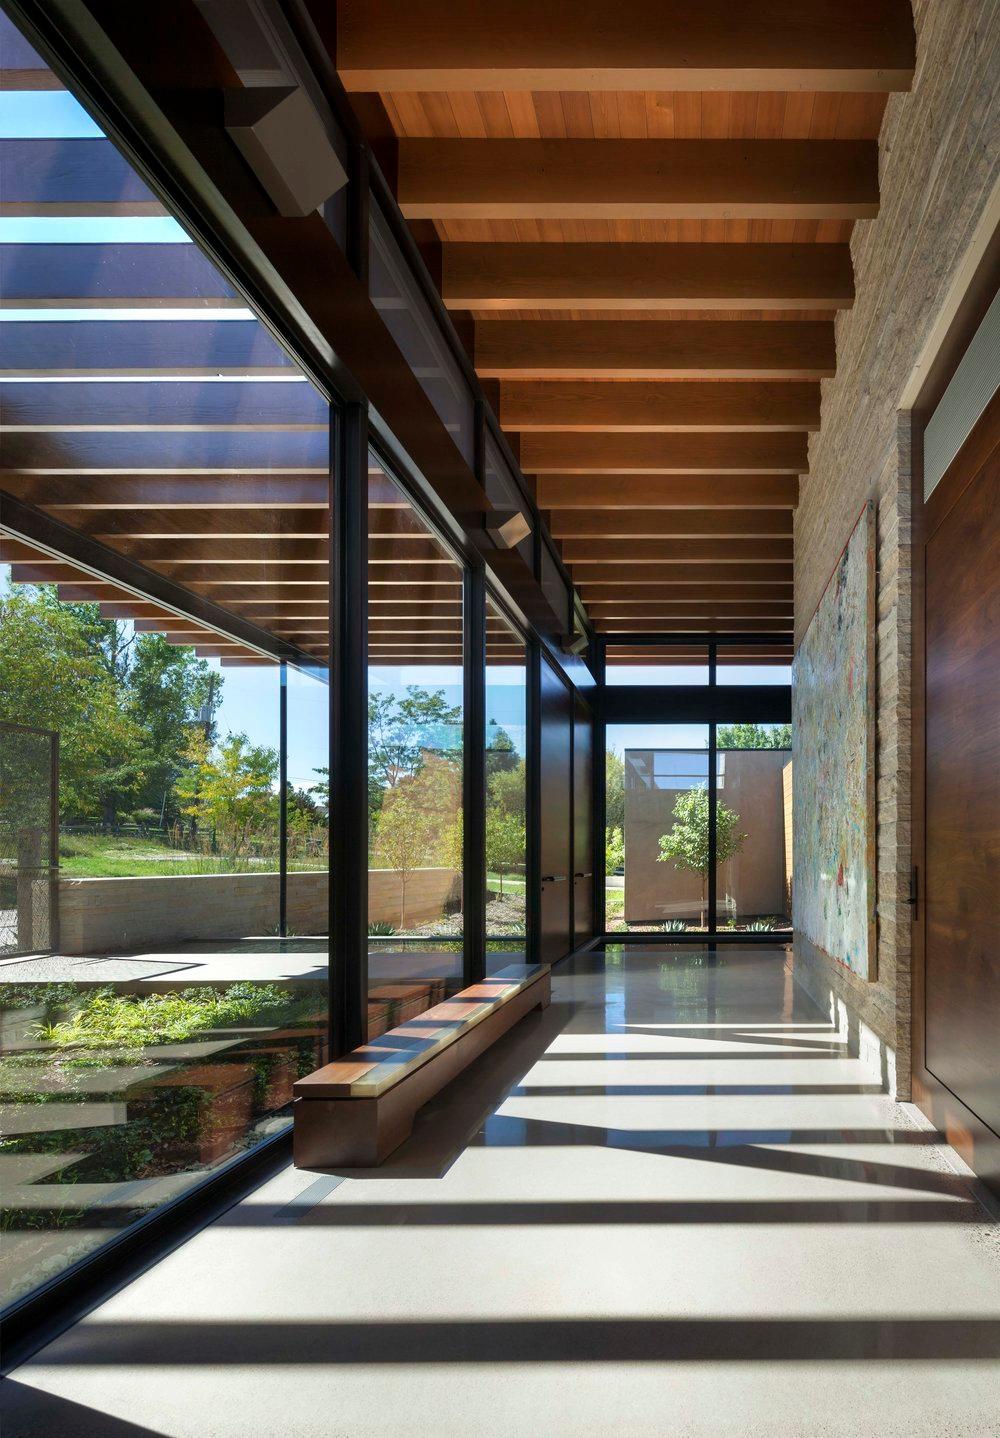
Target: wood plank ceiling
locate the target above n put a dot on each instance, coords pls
(640, 216)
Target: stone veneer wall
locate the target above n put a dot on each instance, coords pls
(938, 163)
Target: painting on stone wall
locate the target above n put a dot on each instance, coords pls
(833, 699)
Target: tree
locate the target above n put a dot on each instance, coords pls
(63, 667)
(614, 769)
(401, 730)
(686, 844)
(507, 790)
(505, 842)
(229, 788)
(754, 736)
(167, 689)
(419, 823)
(501, 754)
(614, 850)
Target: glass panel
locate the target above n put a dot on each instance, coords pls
(754, 664)
(415, 759)
(159, 1037)
(506, 791)
(411, 322)
(754, 826)
(657, 664)
(308, 804)
(657, 827)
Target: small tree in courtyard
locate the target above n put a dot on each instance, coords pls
(504, 843)
(686, 844)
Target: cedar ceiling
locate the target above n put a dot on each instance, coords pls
(639, 215)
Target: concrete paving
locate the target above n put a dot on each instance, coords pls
(672, 1204)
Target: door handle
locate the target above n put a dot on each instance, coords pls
(554, 878)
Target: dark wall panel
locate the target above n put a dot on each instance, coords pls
(555, 837)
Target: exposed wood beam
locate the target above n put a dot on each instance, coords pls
(679, 626)
(448, 179)
(667, 491)
(586, 406)
(167, 491)
(665, 453)
(675, 523)
(680, 593)
(646, 276)
(689, 610)
(655, 349)
(836, 45)
(399, 524)
(677, 551)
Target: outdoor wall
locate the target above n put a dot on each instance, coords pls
(938, 162)
(99, 916)
(752, 787)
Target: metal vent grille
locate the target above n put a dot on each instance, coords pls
(972, 386)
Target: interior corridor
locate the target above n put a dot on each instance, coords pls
(672, 1201)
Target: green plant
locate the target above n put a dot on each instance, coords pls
(686, 844)
(674, 926)
(505, 842)
(110, 1020)
(381, 929)
(614, 850)
(760, 926)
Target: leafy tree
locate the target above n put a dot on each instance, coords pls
(62, 667)
(400, 731)
(754, 736)
(230, 789)
(419, 823)
(507, 790)
(614, 791)
(505, 843)
(614, 850)
(167, 689)
(686, 844)
(501, 754)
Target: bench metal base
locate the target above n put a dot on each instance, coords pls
(362, 1132)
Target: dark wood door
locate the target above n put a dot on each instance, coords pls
(961, 969)
(583, 821)
(555, 846)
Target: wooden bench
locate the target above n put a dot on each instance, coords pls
(353, 1113)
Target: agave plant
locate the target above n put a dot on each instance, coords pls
(760, 926)
(674, 926)
(381, 929)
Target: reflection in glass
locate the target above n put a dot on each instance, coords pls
(656, 664)
(656, 872)
(754, 824)
(415, 760)
(506, 791)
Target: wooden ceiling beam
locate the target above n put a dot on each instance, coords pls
(585, 45)
(449, 179)
(168, 491)
(667, 491)
(680, 593)
(658, 406)
(665, 453)
(655, 349)
(657, 609)
(671, 523)
(676, 551)
(681, 626)
(646, 276)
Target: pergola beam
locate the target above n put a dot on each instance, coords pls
(658, 406)
(646, 276)
(667, 491)
(581, 45)
(665, 453)
(449, 179)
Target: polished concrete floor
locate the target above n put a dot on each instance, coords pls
(672, 1204)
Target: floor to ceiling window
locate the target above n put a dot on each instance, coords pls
(415, 759)
(754, 826)
(506, 791)
(163, 950)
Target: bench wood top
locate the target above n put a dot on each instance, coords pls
(377, 1066)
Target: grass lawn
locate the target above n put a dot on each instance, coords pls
(109, 856)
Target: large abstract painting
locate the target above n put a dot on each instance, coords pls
(833, 746)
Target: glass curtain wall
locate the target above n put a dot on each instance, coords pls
(506, 791)
(656, 810)
(415, 759)
(754, 826)
(153, 1034)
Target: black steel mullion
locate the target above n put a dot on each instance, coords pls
(348, 728)
(474, 775)
(533, 804)
(600, 798)
(713, 796)
(283, 801)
